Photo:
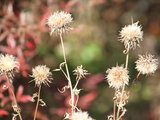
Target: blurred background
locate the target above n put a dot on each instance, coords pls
(92, 43)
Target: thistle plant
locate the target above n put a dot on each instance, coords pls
(118, 77)
(59, 23)
(41, 75)
(8, 65)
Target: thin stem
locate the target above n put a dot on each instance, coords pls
(123, 88)
(35, 114)
(127, 57)
(14, 97)
(76, 94)
(114, 111)
(69, 79)
(132, 86)
(76, 101)
(134, 82)
(76, 84)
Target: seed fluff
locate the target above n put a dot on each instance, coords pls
(41, 74)
(116, 76)
(131, 36)
(146, 64)
(59, 22)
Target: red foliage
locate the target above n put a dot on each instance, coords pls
(6, 99)
(3, 112)
(86, 100)
(20, 97)
(18, 36)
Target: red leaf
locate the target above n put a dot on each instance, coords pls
(4, 101)
(3, 35)
(42, 23)
(11, 41)
(25, 98)
(30, 44)
(92, 81)
(85, 101)
(19, 92)
(8, 50)
(20, 97)
(23, 66)
(3, 112)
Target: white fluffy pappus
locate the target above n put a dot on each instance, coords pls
(41, 74)
(146, 64)
(59, 22)
(117, 76)
(131, 35)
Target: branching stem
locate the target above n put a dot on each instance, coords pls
(114, 111)
(35, 114)
(14, 97)
(123, 88)
(68, 75)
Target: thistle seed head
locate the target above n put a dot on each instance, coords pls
(59, 22)
(80, 72)
(41, 74)
(117, 76)
(131, 36)
(80, 116)
(146, 64)
(8, 64)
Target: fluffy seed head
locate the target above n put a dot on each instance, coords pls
(8, 63)
(117, 76)
(131, 35)
(80, 116)
(59, 22)
(80, 72)
(41, 74)
(146, 64)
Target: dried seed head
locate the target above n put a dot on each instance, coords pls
(146, 64)
(110, 117)
(8, 64)
(80, 116)
(59, 22)
(117, 76)
(121, 99)
(41, 74)
(16, 108)
(131, 35)
(80, 72)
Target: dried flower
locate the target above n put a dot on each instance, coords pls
(110, 117)
(41, 74)
(8, 64)
(16, 108)
(146, 64)
(80, 116)
(131, 35)
(117, 76)
(59, 22)
(121, 99)
(80, 72)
